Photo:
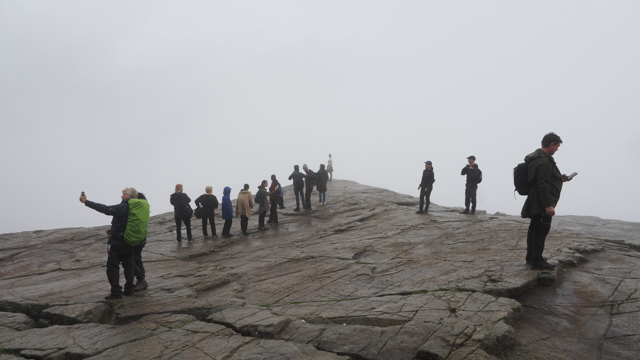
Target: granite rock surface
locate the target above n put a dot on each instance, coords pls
(362, 277)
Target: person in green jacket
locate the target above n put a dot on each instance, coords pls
(545, 185)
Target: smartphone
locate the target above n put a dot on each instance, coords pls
(82, 193)
(572, 176)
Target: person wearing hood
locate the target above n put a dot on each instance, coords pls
(425, 187)
(474, 177)
(545, 185)
(298, 186)
(182, 212)
(275, 200)
(227, 212)
(262, 199)
(244, 205)
(321, 184)
(309, 182)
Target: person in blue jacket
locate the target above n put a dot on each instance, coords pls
(227, 212)
(119, 251)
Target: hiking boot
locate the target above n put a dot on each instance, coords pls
(419, 212)
(128, 293)
(466, 212)
(141, 285)
(113, 296)
(472, 212)
(296, 209)
(542, 265)
(529, 261)
(245, 233)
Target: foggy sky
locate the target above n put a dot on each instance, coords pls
(99, 96)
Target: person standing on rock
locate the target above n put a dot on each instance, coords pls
(298, 186)
(119, 251)
(275, 200)
(321, 184)
(139, 272)
(425, 187)
(227, 212)
(262, 199)
(330, 168)
(209, 203)
(244, 205)
(182, 212)
(545, 185)
(474, 177)
(310, 182)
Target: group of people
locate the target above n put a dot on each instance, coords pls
(544, 181)
(474, 177)
(269, 197)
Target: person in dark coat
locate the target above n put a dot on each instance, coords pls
(298, 186)
(321, 184)
(182, 212)
(227, 212)
(209, 203)
(545, 185)
(262, 198)
(309, 182)
(119, 251)
(425, 187)
(275, 200)
(474, 177)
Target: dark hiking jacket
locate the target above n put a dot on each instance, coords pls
(545, 184)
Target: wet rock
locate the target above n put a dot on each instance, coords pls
(78, 313)
(15, 322)
(363, 276)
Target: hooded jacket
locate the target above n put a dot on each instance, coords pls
(321, 180)
(545, 184)
(120, 215)
(428, 178)
(227, 208)
(298, 178)
(244, 204)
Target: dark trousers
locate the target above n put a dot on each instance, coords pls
(425, 198)
(137, 260)
(226, 229)
(307, 197)
(536, 236)
(261, 219)
(120, 254)
(281, 202)
(187, 224)
(244, 223)
(273, 213)
(299, 192)
(470, 196)
(210, 219)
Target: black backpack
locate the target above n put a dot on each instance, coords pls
(521, 178)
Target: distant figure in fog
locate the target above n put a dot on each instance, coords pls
(275, 200)
(330, 167)
(262, 199)
(474, 177)
(425, 187)
(182, 212)
(209, 203)
(244, 204)
(321, 184)
(227, 212)
(298, 186)
(309, 182)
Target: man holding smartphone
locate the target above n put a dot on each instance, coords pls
(545, 185)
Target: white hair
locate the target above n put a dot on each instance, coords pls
(131, 192)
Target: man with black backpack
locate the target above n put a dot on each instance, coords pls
(298, 187)
(474, 177)
(310, 182)
(128, 228)
(545, 185)
(182, 212)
